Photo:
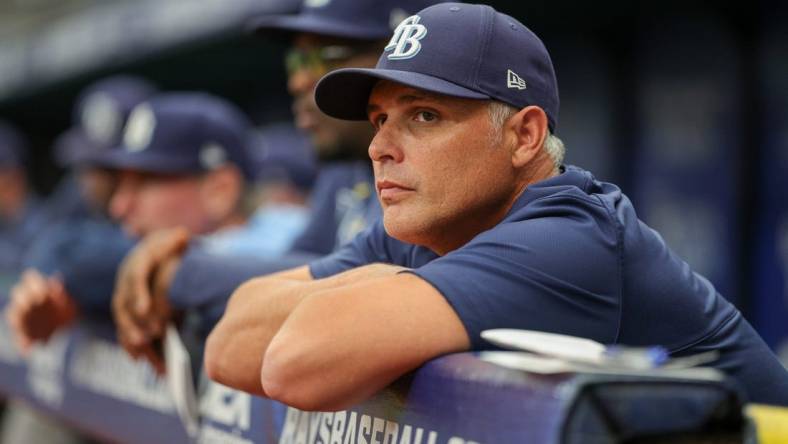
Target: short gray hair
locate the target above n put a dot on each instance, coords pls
(501, 112)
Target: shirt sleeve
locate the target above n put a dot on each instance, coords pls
(552, 274)
(205, 279)
(366, 248)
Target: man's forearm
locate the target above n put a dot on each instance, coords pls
(254, 315)
(234, 349)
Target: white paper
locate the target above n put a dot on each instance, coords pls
(179, 379)
(547, 366)
(527, 362)
(548, 344)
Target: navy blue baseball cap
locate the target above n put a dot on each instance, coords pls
(183, 133)
(460, 50)
(353, 19)
(283, 153)
(12, 147)
(99, 116)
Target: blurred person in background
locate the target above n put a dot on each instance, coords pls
(99, 116)
(324, 36)
(20, 210)
(79, 226)
(183, 162)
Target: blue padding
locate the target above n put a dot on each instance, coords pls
(83, 377)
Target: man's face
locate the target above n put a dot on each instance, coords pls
(309, 59)
(144, 202)
(442, 173)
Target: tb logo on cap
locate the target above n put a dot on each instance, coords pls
(405, 41)
(139, 129)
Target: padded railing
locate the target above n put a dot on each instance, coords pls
(83, 377)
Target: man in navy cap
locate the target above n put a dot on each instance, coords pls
(483, 227)
(183, 161)
(77, 211)
(326, 35)
(99, 115)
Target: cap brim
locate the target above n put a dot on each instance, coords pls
(286, 25)
(344, 93)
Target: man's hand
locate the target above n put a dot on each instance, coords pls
(38, 308)
(139, 304)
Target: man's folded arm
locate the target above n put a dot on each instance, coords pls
(330, 343)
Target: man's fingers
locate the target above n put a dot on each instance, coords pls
(14, 319)
(36, 285)
(128, 330)
(144, 262)
(56, 287)
(169, 242)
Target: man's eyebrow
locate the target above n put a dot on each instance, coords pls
(405, 99)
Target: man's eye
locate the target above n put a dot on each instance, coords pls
(425, 116)
(379, 121)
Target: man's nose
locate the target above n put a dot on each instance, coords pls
(385, 146)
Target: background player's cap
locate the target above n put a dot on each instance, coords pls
(455, 49)
(182, 133)
(283, 153)
(353, 19)
(99, 116)
(12, 147)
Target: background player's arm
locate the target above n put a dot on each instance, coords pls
(329, 343)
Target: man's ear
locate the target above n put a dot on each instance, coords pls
(221, 192)
(529, 126)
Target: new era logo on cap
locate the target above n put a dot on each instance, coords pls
(513, 80)
(212, 156)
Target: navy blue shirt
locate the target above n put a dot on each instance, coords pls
(572, 257)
